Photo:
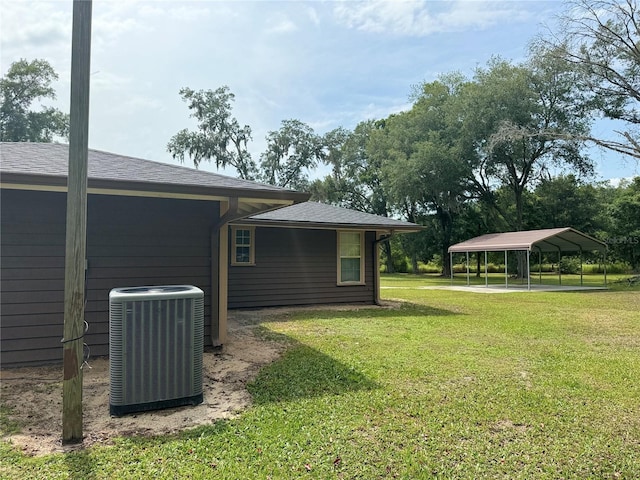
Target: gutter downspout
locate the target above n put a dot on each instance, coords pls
(376, 266)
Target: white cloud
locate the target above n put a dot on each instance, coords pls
(105, 81)
(421, 18)
(616, 182)
(38, 23)
(312, 13)
(35, 30)
(281, 25)
(139, 103)
(189, 14)
(112, 20)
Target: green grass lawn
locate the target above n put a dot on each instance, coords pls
(447, 385)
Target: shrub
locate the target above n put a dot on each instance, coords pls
(616, 267)
(429, 268)
(494, 268)
(570, 265)
(400, 264)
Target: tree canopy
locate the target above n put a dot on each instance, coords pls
(425, 158)
(24, 84)
(502, 149)
(600, 39)
(291, 152)
(219, 136)
(523, 120)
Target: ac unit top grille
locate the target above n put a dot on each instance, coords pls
(161, 292)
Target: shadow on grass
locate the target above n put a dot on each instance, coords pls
(304, 372)
(80, 464)
(395, 308)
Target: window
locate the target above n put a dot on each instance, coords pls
(350, 258)
(242, 246)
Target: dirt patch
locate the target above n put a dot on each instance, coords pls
(34, 395)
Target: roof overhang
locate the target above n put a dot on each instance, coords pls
(329, 226)
(250, 201)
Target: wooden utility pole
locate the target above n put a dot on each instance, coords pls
(76, 242)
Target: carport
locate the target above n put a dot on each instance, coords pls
(560, 240)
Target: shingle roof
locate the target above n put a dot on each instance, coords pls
(320, 215)
(547, 240)
(44, 161)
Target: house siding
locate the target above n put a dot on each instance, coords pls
(131, 241)
(295, 266)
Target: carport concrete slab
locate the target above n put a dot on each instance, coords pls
(513, 288)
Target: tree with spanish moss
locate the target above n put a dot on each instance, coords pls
(219, 138)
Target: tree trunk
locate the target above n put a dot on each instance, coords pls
(446, 223)
(446, 262)
(521, 257)
(521, 262)
(414, 263)
(388, 257)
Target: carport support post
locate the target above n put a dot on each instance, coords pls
(506, 276)
(559, 266)
(540, 265)
(76, 224)
(486, 271)
(528, 272)
(580, 266)
(467, 269)
(451, 265)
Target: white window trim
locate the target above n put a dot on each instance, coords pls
(252, 246)
(338, 258)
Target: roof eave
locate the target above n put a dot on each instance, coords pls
(489, 248)
(331, 226)
(41, 182)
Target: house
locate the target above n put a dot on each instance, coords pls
(150, 223)
(308, 253)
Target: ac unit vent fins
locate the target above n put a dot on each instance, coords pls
(156, 337)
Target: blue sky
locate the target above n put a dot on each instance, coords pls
(326, 63)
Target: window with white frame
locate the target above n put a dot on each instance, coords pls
(350, 258)
(242, 245)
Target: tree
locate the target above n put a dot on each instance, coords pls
(356, 178)
(25, 83)
(601, 40)
(291, 152)
(565, 201)
(219, 137)
(426, 159)
(523, 119)
(624, 236)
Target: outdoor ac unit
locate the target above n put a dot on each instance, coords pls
(156, 337)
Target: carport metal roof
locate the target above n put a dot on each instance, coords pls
(558, 240)
(547, 240)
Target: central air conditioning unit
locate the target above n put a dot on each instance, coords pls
(156, 337)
